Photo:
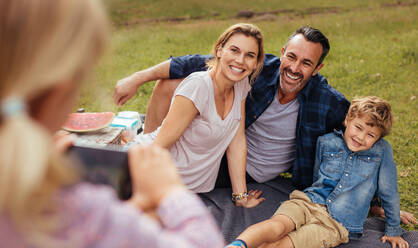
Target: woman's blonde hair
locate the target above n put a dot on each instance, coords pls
(42, 43)
(248, 30)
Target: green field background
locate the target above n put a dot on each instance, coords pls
(374, 51)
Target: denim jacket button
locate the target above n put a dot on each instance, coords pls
(346, 174)
(329, 200)
(339, 186)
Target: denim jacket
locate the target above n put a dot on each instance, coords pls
(346, 182)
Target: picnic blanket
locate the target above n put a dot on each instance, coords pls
(233, 220)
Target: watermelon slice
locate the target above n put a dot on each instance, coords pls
(87, 122)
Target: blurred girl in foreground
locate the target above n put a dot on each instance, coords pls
(47, 47)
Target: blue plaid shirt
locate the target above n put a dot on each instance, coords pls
(321, 108)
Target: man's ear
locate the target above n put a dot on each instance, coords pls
(282, 53)
(317, 69)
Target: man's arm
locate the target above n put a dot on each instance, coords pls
(183, 66)
(174, 68)
(126, 88)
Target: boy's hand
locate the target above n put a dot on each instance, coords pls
(396, 241)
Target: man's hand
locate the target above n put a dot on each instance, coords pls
(396, 241)
(125, 89)
(252, 200)
(406, 217)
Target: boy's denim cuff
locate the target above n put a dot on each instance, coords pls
(393, 230)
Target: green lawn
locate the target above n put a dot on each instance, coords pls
(374, 51)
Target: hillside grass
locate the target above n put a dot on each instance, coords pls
(374, 51)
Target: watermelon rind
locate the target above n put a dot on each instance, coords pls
(74, 122)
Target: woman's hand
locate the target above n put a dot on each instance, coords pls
(252, 200)
(396, 241)
(153, 174)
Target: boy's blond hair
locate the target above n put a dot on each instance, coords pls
(377, 109)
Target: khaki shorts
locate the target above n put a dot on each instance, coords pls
(314, 226)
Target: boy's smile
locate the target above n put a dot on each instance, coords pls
(359, 134)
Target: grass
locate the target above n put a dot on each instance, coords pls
(373, 52)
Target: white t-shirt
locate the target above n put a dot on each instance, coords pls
(198, 152)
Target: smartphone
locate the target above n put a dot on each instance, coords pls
(104, 165)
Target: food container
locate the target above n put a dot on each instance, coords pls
(130, 114)
(129, 125)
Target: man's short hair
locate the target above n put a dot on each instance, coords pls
(377, 109)
(313, 35)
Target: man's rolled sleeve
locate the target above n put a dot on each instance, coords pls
(183, 66)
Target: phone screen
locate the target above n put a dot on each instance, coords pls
(104, 165)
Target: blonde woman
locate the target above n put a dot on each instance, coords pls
(207, 115)
(47, 47)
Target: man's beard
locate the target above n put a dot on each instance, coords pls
(299, 86)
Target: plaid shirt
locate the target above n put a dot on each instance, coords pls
(321, 108)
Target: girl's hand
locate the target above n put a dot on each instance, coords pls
(252, 200)
(154, 176)
(63, 140)
(396, 241)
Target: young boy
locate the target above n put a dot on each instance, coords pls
(350, 168)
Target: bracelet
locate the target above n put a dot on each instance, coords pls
(238, 242)
(240, 196)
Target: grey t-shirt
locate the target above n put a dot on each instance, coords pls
(271, 141)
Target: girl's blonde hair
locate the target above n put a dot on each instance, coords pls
(248, 30)
(42, 43)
